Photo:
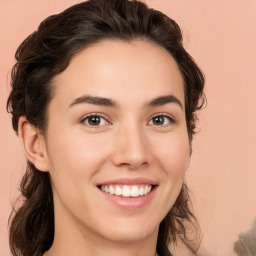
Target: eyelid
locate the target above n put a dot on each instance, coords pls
(170, 117)
(101, 115)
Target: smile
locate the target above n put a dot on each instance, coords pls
(127, 190)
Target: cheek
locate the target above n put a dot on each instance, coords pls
(74, 155)
(174, 155)
(75, 161)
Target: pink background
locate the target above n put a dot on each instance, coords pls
(221, 36)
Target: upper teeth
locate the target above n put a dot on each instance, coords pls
(127, 191)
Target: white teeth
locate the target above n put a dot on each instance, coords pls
(118, 191)
(111, 190)
(135, 191)
(126, 190)
(141, 192)
(147, 189)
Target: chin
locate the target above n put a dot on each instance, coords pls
(128, 231)
(129, 236)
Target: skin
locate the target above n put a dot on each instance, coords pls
(127, 143)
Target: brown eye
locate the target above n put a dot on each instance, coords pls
(160, 120)
(95, 121)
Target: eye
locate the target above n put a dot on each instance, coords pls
(161, 120)
(95, 120)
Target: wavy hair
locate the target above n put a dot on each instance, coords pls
(47, 52)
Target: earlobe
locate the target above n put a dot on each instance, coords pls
(34, 144)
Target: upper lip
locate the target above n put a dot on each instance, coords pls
(129, 181)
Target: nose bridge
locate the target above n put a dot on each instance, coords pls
(130, 147)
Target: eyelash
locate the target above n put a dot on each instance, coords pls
(94, 115)
(164, 115)
(85, 119)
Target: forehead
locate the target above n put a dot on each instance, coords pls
(138, 70)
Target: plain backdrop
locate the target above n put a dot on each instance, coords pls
(221, 36)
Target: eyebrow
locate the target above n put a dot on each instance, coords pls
(159, 101)
(95, 101)
(101, 101)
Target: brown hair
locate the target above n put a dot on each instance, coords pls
(46, 53)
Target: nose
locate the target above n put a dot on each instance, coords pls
(130, 148)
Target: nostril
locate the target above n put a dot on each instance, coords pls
(131, 153)
(136, 165)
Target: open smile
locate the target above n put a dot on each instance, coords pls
(128, 194)
(127, 190)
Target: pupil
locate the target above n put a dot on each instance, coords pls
(158, 120)
(95, 120)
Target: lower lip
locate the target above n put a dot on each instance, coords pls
(130, 203)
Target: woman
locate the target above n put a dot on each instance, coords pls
(104, 99)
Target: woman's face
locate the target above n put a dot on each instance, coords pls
(117, 142)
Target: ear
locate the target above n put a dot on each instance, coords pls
(34, 144)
